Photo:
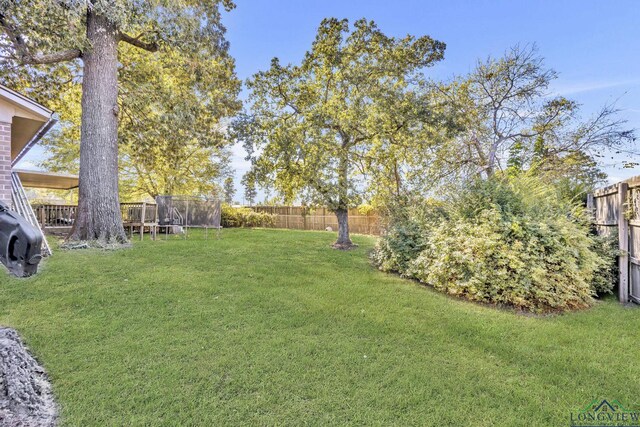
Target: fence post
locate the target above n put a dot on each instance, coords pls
(304, 218)
(623, 241)
(142, 216)
(324, 219)
(42, 216)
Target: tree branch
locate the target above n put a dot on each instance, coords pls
(135, 41)
(52, 58)
(26, 57)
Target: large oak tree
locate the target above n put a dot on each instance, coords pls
(82, 37)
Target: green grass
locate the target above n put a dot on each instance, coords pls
(268, 327)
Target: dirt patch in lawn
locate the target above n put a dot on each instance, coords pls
(25, 391)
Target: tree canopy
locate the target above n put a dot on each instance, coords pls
(317, 129)
(508, 119)
(171, 135)
(229, 190)
(249, 183)
(172, 97)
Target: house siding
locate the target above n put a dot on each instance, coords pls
(5, 163)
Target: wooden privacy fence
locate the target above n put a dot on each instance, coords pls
(306, 218)
(616, 209)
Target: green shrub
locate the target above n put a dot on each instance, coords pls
(402, 244)
(406, 234)
(606, 278)
(515, 243)
(245, 217)
(521, 263)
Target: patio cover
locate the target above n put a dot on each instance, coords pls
(54, 181)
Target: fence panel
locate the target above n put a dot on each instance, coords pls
(616, 209)
(632, 212)
(306, 218)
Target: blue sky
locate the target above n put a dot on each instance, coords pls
(593, 45)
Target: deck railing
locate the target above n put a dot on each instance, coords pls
(139, 213)
(51, 216)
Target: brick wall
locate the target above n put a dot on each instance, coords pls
(5, 162)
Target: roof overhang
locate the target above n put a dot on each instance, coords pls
(50, 180)
(29, 120)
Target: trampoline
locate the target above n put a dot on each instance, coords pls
(184, 212)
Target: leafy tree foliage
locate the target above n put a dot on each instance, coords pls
(171, 130)
(68, 42)
(249, 184)
(171, 138)
(229, 190)
(318, 129)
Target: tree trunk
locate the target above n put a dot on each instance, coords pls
(98, 218)
(342, 212)
(344, 241)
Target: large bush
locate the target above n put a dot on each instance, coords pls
(407, 231)
(515, 243)
(245, 217)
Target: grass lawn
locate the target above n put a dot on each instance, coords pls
(269, 327)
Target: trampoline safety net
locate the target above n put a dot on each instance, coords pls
(189, 211)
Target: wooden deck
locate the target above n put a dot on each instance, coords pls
(138, 216)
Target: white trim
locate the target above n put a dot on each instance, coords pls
(36, 138)
(24, 102)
